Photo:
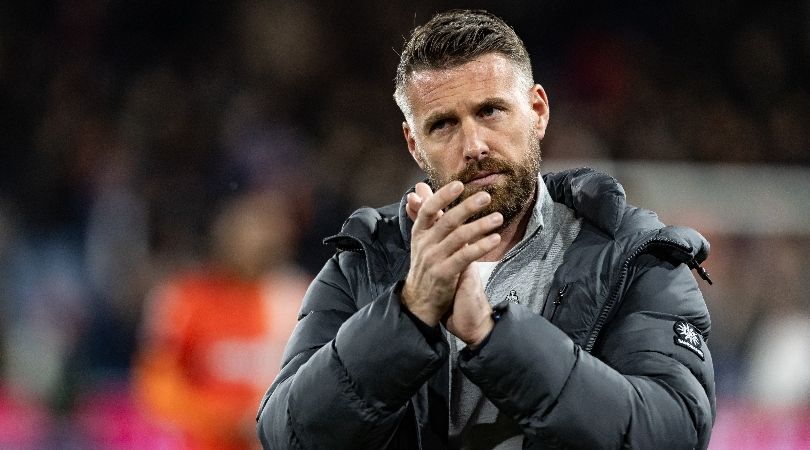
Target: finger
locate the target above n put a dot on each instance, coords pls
(471, 275)
(423, 190)
(470, 253)
(451, 255)
(458, 215)
(412, 205)
(433, 205)
(471, 232)
(415, 199)
(464, 235)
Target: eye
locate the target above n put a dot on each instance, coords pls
(440, 124)
(489, 110)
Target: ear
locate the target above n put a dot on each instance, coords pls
(539, 104)
(409, 139)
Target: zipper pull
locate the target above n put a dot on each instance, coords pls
(558, 301)
(561, 294)
(693, 264)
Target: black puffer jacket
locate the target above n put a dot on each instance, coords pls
(618, 359)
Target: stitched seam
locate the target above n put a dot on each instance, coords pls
(349, 388)
(293, 436)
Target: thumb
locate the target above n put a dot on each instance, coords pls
(412, 205)
(416, 199)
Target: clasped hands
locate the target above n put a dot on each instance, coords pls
(442, 285)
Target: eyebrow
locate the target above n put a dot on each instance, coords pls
(438, 116)
(494, 101)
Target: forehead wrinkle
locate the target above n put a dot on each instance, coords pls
(428, 84)
(487, 73)
(447, 77)
(427, 81)
(450, 90)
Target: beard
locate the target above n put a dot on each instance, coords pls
(510, 195)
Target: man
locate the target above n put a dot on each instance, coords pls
(212, 332)
(498, 311)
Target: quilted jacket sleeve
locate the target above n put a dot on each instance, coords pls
(347, 374)
(638, 389)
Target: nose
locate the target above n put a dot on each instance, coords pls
(473, 143)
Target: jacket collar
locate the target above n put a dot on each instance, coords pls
(597, 197)
(593, 195)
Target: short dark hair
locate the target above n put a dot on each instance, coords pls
(455, 37)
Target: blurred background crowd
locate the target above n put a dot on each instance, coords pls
(169, 169)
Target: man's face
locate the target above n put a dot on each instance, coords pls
(479, 123)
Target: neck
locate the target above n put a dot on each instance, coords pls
(512, 233)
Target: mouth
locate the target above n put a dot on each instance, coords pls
(484, 178)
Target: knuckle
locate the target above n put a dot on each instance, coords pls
(430, 256)
(473, 229)
(471, 251)
(448, 224)
(444, 270)
(424, 212)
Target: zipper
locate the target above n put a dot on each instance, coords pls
(693, 264)
(558, 300)
(625, 268)
(509, 255)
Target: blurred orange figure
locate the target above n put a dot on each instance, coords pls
(213, 338)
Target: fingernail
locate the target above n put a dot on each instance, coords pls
(496, 218)
(483, 198)
(493, 238)
(456, 187)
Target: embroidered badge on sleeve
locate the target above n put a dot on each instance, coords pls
(688, 337)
